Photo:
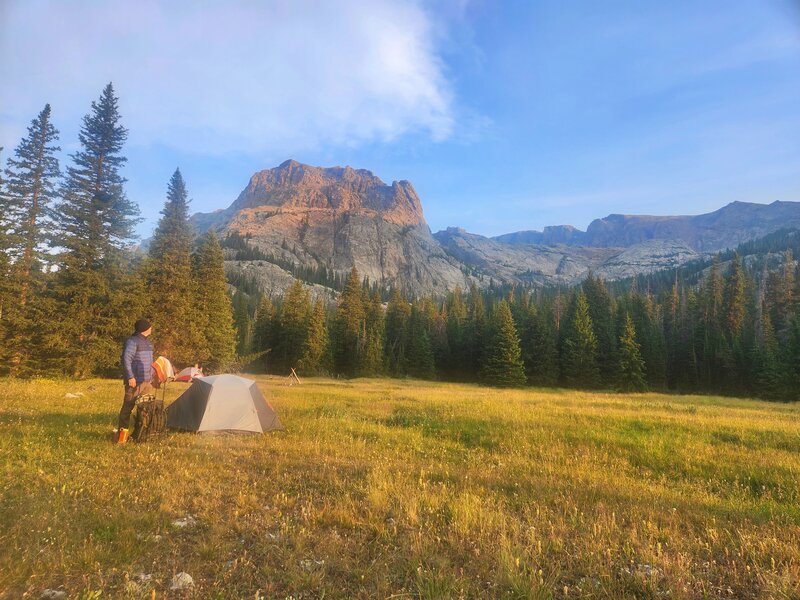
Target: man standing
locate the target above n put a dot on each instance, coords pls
(137, 361)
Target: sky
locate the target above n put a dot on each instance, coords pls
(505, 115)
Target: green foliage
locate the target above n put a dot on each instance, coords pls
(349, 327)
(502, 360)
(315, 348)
(97, 292)
(291, 328)
(398, 313)
(214, 308)
(171, 285)
(631, 364)
(579, 353)
(419, 354)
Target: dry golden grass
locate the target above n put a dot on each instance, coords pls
(406, 489)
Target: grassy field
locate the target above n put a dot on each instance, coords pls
(405, 489)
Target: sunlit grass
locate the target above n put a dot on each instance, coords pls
(383, 488)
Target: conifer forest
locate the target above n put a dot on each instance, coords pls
(73, 280)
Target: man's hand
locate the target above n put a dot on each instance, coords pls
(131, 382)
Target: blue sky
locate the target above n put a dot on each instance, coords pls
(504, 115)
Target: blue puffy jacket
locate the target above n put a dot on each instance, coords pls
(137, 359)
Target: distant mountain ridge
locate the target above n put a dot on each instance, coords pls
(335, 218)
(724, 228)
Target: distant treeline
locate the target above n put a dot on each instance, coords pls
(735, 332)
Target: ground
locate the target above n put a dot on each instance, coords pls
(404, 489)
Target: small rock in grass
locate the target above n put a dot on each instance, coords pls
(141, 578)
(49, 594)
(75, 395)
(310, 565)
(181, 581)
(189, 521)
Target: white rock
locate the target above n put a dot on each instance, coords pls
(181, 581)
(49, 594)
(188, 521)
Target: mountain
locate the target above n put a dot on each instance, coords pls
(335, 218)
(312, 223)
(727, 227)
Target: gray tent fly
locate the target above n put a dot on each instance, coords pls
(222, 403)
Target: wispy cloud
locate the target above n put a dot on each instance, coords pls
(218, 77)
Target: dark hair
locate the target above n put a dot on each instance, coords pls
(141, 325)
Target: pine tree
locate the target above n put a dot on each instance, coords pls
(315, 348)
(96, 292)
(579, 358)
(32, 177)
(456, 324)
(475, 332)
(372, 362)
(349, 331)
(292, 322)
(171, 285)
(398, 313)
(33, 174)
(502, 361)
(419, 354)
(539, 352)
(601, 314)
(631, 364)
(214, 306)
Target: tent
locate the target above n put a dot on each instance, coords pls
(222, 403)
(189, 374)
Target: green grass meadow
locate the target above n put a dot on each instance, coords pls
(384, 488)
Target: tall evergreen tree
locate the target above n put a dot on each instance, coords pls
(398, 313)
(313, 359)
(579, 358)
(601, 314)
(97, 291)
(33, 174)
(475, 332)
(350, 327)
(502, 361)
(419, 354)
(32, 177)
(539, 351)
(372, 362)
(293, 318)
(631, 364)
(214, 306)
(171, 285)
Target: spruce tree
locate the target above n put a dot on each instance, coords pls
(33, 175)
(213, 305)
(96, 292)
(398, 313)
(475, 333)
(349, 331)
(292, 323)
(171, 285)
(456, 324)
(31, 185)
(601, 314)
(631, 365)
(539, 352)
(372, 362)
(502, 360)
(312, 361)
(419, 354)
(579, 358)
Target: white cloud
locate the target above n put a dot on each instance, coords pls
(229, 77)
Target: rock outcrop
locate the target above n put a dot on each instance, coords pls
(727, 227)
(336, 218)
(306, 218)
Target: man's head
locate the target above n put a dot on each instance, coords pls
(143, 327)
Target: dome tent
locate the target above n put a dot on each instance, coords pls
(222, 403)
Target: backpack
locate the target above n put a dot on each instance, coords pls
(150, 419)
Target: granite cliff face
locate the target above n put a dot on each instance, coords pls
(336, 218)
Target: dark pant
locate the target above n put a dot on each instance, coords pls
(129, 401)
